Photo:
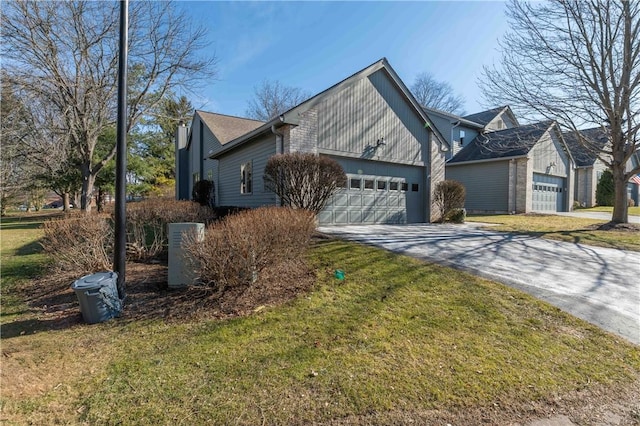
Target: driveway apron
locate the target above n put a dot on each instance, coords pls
(599, 285)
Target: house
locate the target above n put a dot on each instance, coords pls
(586, 148)
(460, 131)
(506, 167)
(588, 166)
(391, 151)
(516, 170)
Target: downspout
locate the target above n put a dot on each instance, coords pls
(279, 140)
(515, 186)
(279, 150)
(455, 124)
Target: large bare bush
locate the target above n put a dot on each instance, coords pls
(304, 180)
(448, 196)
(80, 244)
(147, 224)
(236, 250)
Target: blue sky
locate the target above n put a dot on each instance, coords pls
(313, 45)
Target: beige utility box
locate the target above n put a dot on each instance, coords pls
(180, 272)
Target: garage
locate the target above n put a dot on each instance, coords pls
(372, 199)
(548, 193)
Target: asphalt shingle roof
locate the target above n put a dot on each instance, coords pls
(227, 127)
(484, 117)
(586, 155)
(514, 142)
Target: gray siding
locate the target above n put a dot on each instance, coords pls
(351, 121)
(203, 144)
(486, 184)
(228, 187)
(547, 152)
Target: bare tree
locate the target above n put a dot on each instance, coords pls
(436, 94)
(272, 98)
(577, 62)
(303, 180)
(65, 56)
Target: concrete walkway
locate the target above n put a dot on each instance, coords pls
(599, 285)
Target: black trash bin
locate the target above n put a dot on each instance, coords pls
(98, 296)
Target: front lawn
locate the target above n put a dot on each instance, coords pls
(634, 211)
(397, 340)
(563, 228)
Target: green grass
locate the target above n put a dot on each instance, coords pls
(21, 257)
(635, 211)
(562, 228)
(397, 334)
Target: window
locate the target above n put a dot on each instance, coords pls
(196, 177)
(246, 178)
(355, 183)
(382, 185)
(462, 135)
(368, 184)
(405, 186)
(393, 186)
(414, 187)
(210, 175)
(500, 124)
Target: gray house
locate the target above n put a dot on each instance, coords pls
(516, 170)
(588, 167)
(370, 123)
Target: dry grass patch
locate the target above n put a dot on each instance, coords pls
(565, 228)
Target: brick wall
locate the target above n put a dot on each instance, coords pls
(304, 137)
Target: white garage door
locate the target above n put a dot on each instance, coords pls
(549, 193)
(371, 199)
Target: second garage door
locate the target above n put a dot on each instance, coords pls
(548, 193)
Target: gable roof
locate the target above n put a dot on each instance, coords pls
(586, 155)
(292, 116)
(502, 144)
(484, 117)
(453, 117)
(227, 127)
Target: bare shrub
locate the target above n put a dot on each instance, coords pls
(147, 224)
(238, 249)
(304, 180)
(79, 244)
(203, 193)
(449, 195)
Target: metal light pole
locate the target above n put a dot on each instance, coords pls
(120, 246)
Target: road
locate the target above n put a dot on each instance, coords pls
(599, 285)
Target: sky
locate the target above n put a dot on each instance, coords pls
(314, 45)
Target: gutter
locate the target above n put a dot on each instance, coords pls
(464, 163)
(248, 136)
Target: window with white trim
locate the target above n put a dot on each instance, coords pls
(246, 178)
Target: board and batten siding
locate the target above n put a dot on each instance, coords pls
(351, 121)
(549, 157)
(203, 144)
(486, 185)
(228, 187)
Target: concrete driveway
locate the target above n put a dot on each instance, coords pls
(599, 285)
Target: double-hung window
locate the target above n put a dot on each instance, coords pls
(246, 178)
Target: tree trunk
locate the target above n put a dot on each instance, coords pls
(66, 200)
(88, 180)
(620, 206)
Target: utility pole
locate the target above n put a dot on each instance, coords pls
(120, 246)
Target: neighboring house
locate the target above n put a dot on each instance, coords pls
(391, 151)
(516, 170)
(588, 166)
(460, 131)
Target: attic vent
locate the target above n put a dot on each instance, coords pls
(500, 124)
